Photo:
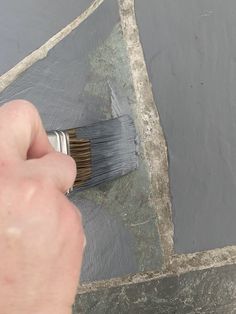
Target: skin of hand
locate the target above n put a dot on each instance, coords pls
(41, 233)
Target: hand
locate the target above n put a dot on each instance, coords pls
(41, 234)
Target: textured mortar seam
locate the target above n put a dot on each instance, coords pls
(151, 134)
(7, 78)
(182, 264)
(200, 260)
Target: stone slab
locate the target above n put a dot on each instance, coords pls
(210, 291)
(190, 51)
(25, 25)
(70, 88)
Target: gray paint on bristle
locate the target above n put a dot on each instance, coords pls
(113, 149)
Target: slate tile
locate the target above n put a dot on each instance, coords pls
(206, 291)
(70, 87)
(25, 25)
(190, 51)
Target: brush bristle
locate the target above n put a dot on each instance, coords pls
(80, 150)
(103, 151)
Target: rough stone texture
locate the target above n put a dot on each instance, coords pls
(151, 134)
(27, 24)
(70, 87)
(127, 199)
(190, 50)
(73, 85)
(210, 291)
(201, 260)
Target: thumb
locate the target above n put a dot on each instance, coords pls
(21, 132)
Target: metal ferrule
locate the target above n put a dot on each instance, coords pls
(60, 142)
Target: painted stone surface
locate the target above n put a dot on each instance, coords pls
(190, 51)
(25, 25)
(71, 87)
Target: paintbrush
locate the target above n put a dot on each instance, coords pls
(102, 151)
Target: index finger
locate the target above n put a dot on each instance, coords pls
(22, 134)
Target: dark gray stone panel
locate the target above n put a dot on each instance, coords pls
(110, 249)
(56, 84)
(210, 291)
(190, 51)
(70, 88)
(25, 25)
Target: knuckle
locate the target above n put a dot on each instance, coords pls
(69, 161)
(75, 219)
(21, 105)
(23, 109)
(28, 110)
(25, 104)
(5, 166)
(66, 158)
(29, 187)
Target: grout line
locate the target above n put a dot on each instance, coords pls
(7, 78)
(150, 131)
(201, 260)
(181, 264)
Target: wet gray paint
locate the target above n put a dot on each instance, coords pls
(110, 246)
(190, 50)
(127, 198)
(70, 88)
(113, 149)
(25, 25)
(56, 85)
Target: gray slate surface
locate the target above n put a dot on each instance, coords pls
(25, 25)
(190, 50)
(210, 291)
(56, 85)
(70, 88)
